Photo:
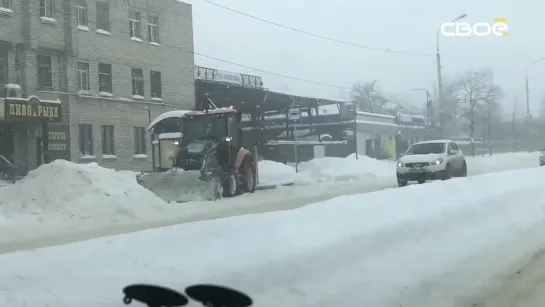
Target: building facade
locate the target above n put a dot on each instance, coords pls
(386, 136)
(112, 64)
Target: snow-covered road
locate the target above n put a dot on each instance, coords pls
(448, 244)
(94, 218)
(522, 286)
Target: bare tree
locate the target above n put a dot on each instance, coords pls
(369, 97)
(477, 96)
(491, 112)
(448, 108)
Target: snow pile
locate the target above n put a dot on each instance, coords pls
(339, 169)
(405, 243)
(326, 169)
(77, 191)
(273, 173)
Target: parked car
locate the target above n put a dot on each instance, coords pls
(430, 160)
(542, 157)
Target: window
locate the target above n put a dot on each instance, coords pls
(4, 68)
(47, 8)
(137, 82)
(153, 29)
(5, 4)
(139, 140)
(103, 16)
(155, 80)
(83, 76)
(134, 24)
(86, 139)
(426, 148)
(45, 76)
(105, 78)
(81, 12)
(108, 140)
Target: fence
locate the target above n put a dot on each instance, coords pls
(291, 152)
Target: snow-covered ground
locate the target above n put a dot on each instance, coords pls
(331, 169)
(64, 202)
(438, 244)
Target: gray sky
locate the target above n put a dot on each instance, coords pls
(390, 24)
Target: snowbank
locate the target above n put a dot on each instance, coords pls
(326, 169)
(73, 191)
(398, 241)
(338, 169)
(68, 202)
(273, 173)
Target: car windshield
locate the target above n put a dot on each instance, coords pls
(426, 148)
(205, 127)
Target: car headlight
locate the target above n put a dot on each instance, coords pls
(541, 154)
(437, 162)
(399, 164)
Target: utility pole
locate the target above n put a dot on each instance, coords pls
(439, 74)
(513, 125)
(429, 107)
(528, 113)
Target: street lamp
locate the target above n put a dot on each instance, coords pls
(429, 107)
(438, 55)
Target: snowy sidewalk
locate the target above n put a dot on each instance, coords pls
(378, 249)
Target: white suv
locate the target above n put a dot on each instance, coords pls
(439, 159)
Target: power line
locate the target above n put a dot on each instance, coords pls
(231, 62)
(317, 35)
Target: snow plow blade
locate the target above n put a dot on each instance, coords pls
(178, 185)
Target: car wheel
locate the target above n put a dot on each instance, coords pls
(463, 171)
(447, 173)
(421, 181)
(401, 182)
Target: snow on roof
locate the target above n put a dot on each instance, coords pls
(214, 111)
(435, 141)
(169, 114)
(170, 135)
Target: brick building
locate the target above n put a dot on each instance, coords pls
(111, 64)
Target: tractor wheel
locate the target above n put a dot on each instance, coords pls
(229, 186)
(248, 178)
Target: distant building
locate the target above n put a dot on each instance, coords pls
(107, 63)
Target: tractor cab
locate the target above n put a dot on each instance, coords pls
(215, 132)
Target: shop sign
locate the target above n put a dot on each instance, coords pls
(32, 108)
(58, 142)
